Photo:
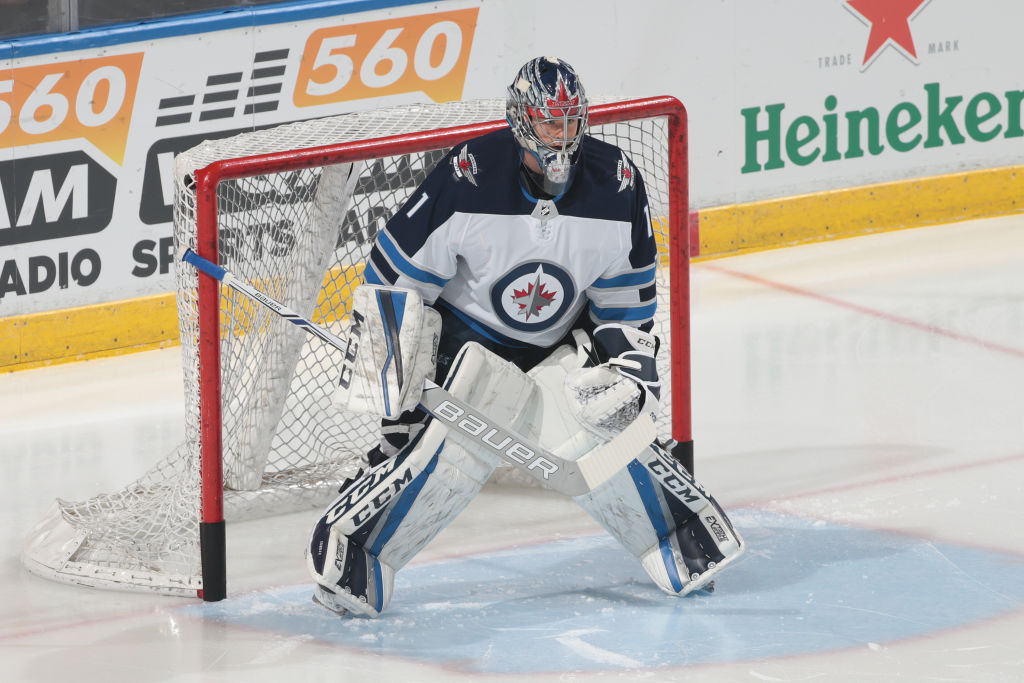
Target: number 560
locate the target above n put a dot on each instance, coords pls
(374, 59)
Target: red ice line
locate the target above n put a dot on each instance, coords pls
(931, 329)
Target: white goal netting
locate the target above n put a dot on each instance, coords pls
(301, 236)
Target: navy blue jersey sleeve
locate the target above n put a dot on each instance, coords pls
(415, 250)
(627, 292)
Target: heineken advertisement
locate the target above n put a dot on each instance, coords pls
(784, 99)
(774, 137)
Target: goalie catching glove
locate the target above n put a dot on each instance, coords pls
(392, 349)
(618, 380)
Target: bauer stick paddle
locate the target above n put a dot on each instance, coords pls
(572, 478)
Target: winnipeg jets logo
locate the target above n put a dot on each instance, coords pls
(464, 166)
(533, 296)
(625, 173)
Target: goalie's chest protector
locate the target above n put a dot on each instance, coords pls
(515, 268)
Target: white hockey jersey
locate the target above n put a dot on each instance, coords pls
(516, 269)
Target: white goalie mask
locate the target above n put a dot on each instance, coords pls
(547, 110)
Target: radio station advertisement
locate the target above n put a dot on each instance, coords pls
(89, 136)
(784, 98)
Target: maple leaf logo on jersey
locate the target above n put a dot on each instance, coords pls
(532, 299)
(533, 296)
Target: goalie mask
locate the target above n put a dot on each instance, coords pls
(547, 110)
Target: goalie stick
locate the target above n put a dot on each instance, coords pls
(573, 478)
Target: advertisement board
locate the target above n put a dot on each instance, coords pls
(89, 135)
(785, 97)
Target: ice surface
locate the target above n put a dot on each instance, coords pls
(859, 407)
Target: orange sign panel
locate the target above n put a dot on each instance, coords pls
(427, 53)
(86, 98)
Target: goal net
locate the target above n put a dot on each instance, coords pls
(294, 210)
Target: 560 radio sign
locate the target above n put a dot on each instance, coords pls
(428, 53)
(86, 98)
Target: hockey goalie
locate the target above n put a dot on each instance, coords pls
(521, 276)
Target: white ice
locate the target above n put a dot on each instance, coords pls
(859, 405)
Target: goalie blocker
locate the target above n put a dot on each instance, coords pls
(653, 506)
(392, 349)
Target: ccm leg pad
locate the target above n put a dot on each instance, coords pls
(384, 518)
(680, 534)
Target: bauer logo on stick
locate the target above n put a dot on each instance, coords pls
(494, 438)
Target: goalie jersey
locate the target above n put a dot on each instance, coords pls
(516, 269)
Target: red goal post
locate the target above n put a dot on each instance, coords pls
(208, 179)
(294, 210)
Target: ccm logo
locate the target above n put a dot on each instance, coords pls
(351, 350)
(375, 485)
(494, 438)
(673, 481)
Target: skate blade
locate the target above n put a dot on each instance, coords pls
(342, 603)
(340, 612)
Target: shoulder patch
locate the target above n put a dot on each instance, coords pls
(464, 166)
(625, 173)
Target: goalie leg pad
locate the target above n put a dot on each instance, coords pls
(358, 582)
(500, 390)
(680, 534)
(384, 518)
(341, 558)
(495, 387)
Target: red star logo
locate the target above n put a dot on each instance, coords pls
(890, 23)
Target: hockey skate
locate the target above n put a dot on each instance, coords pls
(341, 602)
